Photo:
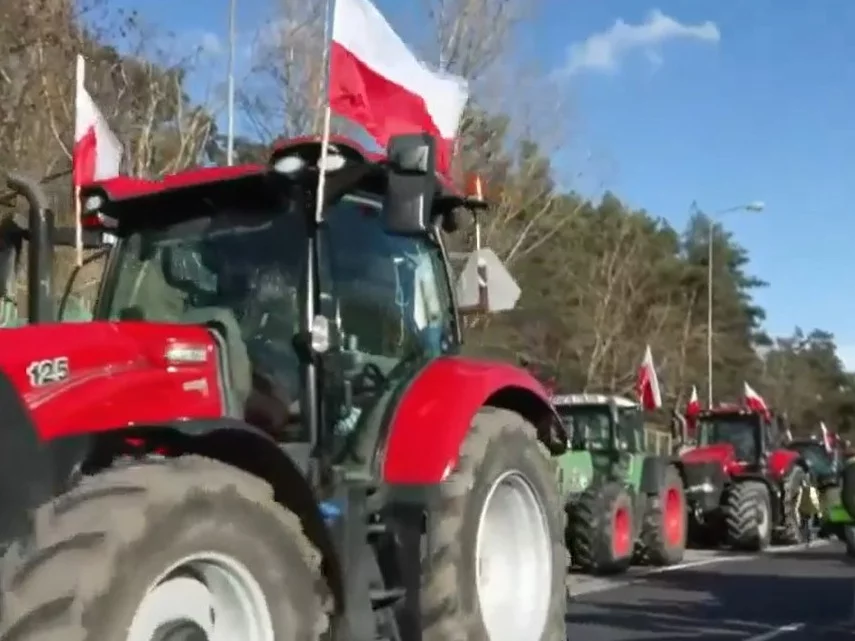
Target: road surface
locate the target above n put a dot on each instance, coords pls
(789, 595)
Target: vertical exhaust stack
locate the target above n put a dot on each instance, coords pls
(40, 225)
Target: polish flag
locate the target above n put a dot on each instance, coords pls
(97, 152)
(827, 439)
(754, 401)
(377, 82)
(647, 383)
(693, 409)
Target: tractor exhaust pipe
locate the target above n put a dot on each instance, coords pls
(40, 258)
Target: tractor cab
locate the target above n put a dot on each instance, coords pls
(741, 437)
(602, 423)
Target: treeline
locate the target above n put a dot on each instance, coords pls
(599, 279)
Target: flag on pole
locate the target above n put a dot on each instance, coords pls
(693, 409)
(647, 383)
(754, 401)
(827, 439)
(377, 82)
(96, 154)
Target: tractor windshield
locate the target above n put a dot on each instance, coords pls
(741, 430)
(587, 425)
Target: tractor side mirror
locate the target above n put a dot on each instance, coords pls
(412, 183)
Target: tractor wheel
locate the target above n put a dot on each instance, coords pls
(498, 523)
(663, 531)
(748, 516)
(185, 548)
(849, 540)
(791, 531)
(600, 532)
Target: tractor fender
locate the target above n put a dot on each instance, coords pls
(653, 474)
(433, 415)
(780, 461)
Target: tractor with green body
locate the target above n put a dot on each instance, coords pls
(623, 503)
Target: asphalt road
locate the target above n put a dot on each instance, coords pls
(788, 595)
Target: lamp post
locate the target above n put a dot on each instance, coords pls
(230, 136)
(756, 206)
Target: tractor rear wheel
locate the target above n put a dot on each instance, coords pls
(600, 532)
(663, 532)
(495, 567)
(795, 483)
(184, 548)
(748, 516)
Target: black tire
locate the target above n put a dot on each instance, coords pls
(790, 530)
(656, 547)
(499, 441)
(96, 550)
(592, 525)
(743, 516)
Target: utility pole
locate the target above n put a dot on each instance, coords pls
(230, 141)
(756, 206)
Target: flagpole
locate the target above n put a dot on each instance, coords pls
(327, 116)
(78, 206)
(230, 141)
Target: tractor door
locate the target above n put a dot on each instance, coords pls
(390, 302)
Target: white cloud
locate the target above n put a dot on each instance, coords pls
(211, 44)
(603, 51)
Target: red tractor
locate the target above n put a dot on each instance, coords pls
(251, 441)
(742, 485)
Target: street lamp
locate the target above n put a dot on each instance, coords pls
(755, 206)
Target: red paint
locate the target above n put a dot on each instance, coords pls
(675, 517)
(383, 108)
(621, 533)
(118, 375)
(84, 155)
(780, 461)
(722, 452)
(433, 417)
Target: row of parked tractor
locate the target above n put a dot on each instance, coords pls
(734, 478)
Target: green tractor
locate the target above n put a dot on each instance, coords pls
(623, 504)
(832, 476)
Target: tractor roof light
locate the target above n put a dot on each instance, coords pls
(291, 164)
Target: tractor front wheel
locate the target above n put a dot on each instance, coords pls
(185, 548)
(663, 532)
(601, 529)
(748, 516)
(495, 568)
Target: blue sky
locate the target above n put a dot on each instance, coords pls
(719, 102)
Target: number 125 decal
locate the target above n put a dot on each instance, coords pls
(47, 371)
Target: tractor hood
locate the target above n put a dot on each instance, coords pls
(95, 376)
(719, 452)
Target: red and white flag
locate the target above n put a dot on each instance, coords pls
(693, 409)
(754, 401)
(827, 438)
(647, 383)
(377, 82)
(97, 152)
